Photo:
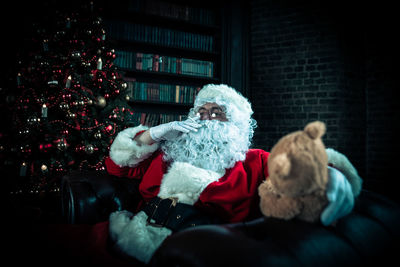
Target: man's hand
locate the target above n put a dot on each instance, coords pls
(340, 196)
(171, 130)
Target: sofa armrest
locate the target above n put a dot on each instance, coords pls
(90, 196)
(368, 235)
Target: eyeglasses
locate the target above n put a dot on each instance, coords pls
(215, 113)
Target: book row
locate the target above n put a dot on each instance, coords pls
(160, 36)
(152, 119)
(173, 10)
(161, 92)
(159, 63)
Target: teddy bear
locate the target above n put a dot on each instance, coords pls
(298, 175)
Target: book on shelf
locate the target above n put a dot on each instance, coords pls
(166, 64)
(120, 30)
(152, 119)
(173, 10)
(158, 92)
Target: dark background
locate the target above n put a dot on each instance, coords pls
(332, 61)
(304, 60)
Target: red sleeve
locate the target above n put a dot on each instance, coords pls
(136, 172)
(114, 169)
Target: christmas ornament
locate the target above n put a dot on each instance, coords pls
(52, 83)
(10, 99)
(76, 54)
(64, 106)
(97, 135)
(101, 102)
(89, 149)
(67, 87)
(62, 145)
(44, 169)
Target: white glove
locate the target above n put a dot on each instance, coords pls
(171, 130)
(340, 196)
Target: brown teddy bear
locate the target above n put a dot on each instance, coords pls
(298, 176)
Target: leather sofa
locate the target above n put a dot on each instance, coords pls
(368, 236)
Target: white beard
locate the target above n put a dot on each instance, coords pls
(216, 146)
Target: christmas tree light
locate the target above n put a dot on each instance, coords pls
(72, 100)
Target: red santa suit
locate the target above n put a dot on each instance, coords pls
(231, 194)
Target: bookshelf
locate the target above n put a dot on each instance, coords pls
(167, 50)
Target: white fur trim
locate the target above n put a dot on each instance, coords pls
(134, 236)
(223, 94)
(186, 182)
(342, 163)
(125, 151)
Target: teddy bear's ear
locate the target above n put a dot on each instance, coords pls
(315, 129)
(282, 164)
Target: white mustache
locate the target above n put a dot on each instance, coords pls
(215, 146)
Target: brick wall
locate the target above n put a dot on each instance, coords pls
(311, 61)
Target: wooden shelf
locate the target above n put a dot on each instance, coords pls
(160, 107)
(166, 22)
(165, 50)
(168, 77)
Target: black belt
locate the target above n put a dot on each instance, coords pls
(167, 212)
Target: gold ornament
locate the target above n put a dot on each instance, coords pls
(101, 102)
(44, 168)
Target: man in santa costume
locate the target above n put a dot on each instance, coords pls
(200, 171)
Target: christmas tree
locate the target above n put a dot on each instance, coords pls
(70, 103)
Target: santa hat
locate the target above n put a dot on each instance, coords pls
(236, 105)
